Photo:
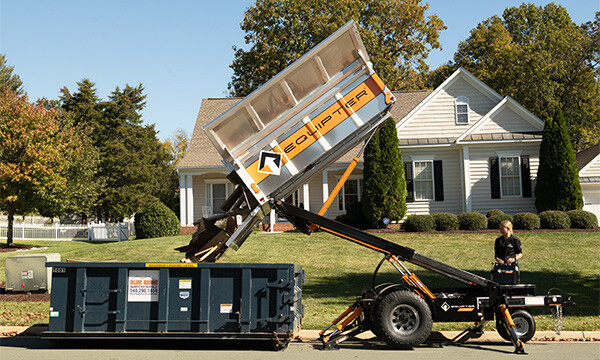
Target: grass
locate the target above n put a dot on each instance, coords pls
(337, 270)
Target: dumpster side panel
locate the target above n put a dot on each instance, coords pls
(121, 298)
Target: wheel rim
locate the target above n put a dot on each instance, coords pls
(521, 326)
(405, 319)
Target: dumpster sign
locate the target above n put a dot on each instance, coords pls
(142, 286)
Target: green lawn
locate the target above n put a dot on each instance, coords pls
(337, 270)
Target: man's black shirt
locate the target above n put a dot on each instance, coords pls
(508, 248)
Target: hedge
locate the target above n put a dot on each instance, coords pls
(494, 221)
(554, 219)
(445, 221)
(472, 221)
(526, 221)
(157, 220)
(494, 212)
(419, 223)
(581, 219)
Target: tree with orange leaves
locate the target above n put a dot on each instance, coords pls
(44, 163)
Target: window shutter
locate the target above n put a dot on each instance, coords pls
(525, 176)
(408, 174)
(495, 177)
(439, 180)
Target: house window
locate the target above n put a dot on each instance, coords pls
(216, 194)
(423, 180)
(293, 199)
(350, 193)
(461, 109)
(510, 177)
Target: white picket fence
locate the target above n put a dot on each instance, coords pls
(91, 232)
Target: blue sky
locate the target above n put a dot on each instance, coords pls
(179, 50)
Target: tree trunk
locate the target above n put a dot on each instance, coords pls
(11, 220)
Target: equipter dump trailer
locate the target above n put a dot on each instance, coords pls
(290, 129)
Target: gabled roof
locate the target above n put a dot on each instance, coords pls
(202, 154)
(512, 104)
(585, 157)
(460, 73)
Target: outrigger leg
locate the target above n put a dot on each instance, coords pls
(510, 326)
(350, 326)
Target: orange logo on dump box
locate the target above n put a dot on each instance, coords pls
(322, 124)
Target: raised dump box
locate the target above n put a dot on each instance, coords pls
(304, 118)
(289, 130)
(176, 301)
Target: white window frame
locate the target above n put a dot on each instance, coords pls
(519, 175)
(209, 184)
(297, 196)
(422, 160)
(342, 192)
(462, 100)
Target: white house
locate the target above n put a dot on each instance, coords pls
(464, 148)
(588, 163)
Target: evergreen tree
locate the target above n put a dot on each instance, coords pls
(557, 185)
(134, 167)
(8, 80)
(384, 185)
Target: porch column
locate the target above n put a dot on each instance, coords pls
(272, 220)
(182, 201)
(305, 197)
(190, 199)
(325, 189)
(467, 179)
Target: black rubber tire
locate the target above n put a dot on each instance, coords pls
(402, 319)
(524, 324)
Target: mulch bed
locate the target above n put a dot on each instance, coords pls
(24, 297)
(6, 248)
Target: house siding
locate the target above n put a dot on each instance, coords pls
(593, 170)
(506, 121)
(437, 118)
(452, 202)
(199, 188)
(480, 180)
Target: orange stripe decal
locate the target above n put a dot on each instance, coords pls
(354, 240)
(322, 123)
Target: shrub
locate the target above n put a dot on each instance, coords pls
(557, 186)
(419, 223)
(157, 220)
(354, 216)
(581, 219)
(445, 221)
(526, 221)
(472, 221)
(554, 219)
(495, 220)
(494, 212)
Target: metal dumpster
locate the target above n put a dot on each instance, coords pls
(95, 300)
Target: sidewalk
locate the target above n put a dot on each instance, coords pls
(313, 335)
